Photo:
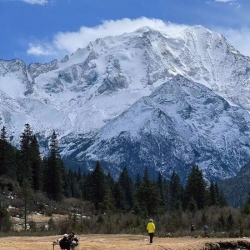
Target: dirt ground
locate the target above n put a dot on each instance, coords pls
(108, 242)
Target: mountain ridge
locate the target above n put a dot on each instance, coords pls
(82, 93)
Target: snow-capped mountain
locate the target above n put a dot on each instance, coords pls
(80, 96)
(180, 124)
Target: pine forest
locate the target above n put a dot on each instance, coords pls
(96, 202)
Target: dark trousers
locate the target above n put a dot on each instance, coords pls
(151, 236)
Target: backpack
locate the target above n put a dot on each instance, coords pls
(65, 243)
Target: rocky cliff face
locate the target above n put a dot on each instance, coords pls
(81, 97)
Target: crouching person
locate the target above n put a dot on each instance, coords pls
(65, 242)
(73, 240)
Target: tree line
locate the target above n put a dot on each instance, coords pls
(143, 196)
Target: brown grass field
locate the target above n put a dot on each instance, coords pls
(104, 242)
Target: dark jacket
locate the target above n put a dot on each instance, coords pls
(65, 243)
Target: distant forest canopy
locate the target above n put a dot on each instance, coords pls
(25, 168)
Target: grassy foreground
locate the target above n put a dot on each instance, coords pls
(107, 242)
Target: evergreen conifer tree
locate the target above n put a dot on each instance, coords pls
(36, 164)
(163, 192)
(3, 133)
(54, 171)
(148, 195)
(196, 188)
(127, 185)
(98, 187)
(71, 185)
(24, 170)
(175, 192)
(138, 181)
(246, 206)
(192, 205)
(26, 193)
(222, 200)
(110, 182)
(119, 196)
(212, 195)
(68, 184)
(79, 174)
(7, 156)
(85, 186)
(3, 153)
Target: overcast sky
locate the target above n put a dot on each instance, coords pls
(43, 30)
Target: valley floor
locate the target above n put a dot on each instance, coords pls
(108, 242)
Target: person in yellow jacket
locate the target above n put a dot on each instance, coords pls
(151, 230)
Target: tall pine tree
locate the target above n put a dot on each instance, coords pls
(163, 191)
(213, 196)
(148, 195)
(53, 180)
(127, 186)
(3, 153)
(7, 156)
(195, 189)
(36, 165)
(98, 188)
(175, 192)
(24, 170)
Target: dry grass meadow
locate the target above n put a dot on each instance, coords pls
(104, 242)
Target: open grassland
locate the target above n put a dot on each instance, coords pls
(108, 242)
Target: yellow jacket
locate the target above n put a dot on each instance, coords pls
(151, 227)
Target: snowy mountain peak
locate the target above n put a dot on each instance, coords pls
(94, 86)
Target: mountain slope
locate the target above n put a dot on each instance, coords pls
(180, 124)
(236, 189)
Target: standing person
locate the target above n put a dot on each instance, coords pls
(73, 240)
(151, 230)
(192, 229)
(205, 229)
